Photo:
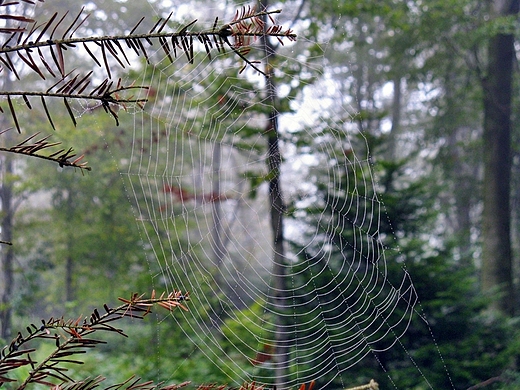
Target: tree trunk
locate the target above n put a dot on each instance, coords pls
(277, 210)
(6, 193)
(497, 275)
(217, 245)
(393, 142)
(69, 260)
(6, 251)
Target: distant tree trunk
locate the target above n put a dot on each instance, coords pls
(497, 275)
(69, 261)
(393, 152)
(217, 244)
(216, 208)
(277, 210)
(69, 271)
(460, 169)
(6, 251)
(463, 202)
(6, 193)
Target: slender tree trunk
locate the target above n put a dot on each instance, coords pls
(69, 271)
(393, 152)
(6, 251)
(216, 234)
(497, 275)
(460, 171)
(6, 193)
(277, 211)
(69, 261)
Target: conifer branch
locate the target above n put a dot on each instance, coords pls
(43, 53)
(246, 25)
(73, 88)
(21, 19)
(70, 338)
(62, 157)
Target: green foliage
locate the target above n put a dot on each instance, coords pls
(469, 348)
(86, 208)
(24, 362)
(431, 44)
(97, 241)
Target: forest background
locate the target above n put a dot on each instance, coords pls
(409, 84)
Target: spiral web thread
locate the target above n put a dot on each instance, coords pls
(197, 179)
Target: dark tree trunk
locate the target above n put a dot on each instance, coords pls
(69, 278)
(278, 271)
(497, 275)
(6, 251)
(6, 193)
(277, 211)
(69, 260)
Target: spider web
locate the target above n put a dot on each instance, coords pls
(198, 180)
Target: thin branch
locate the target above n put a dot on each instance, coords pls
(486, 383)
(62, 157)
(61, 162)
(66, 90)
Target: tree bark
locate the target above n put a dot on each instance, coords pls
(277, 211)
(497, 267)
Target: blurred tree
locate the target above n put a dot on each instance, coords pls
(8, 209)
(330, 260)
(497, 84)
(277, 210)
(14, 189)
(83, 209)
(52, 63)
(450, 64)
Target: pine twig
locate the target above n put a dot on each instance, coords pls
(63, 157)
(43, 53)
(71, 338)
(244, 28)
(72, 87)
